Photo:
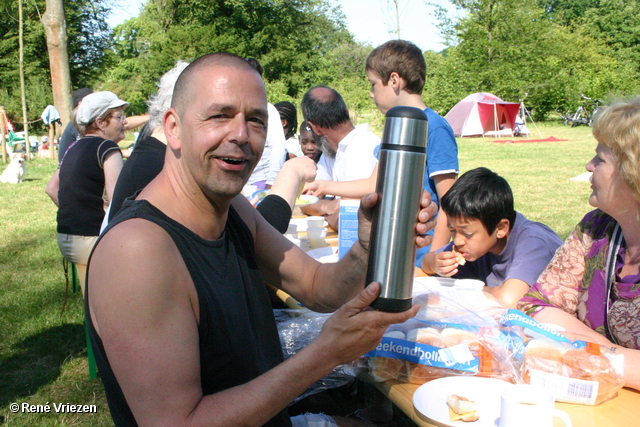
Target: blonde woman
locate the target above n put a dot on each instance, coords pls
(592, 285)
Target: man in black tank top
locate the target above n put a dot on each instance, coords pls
(178, 314)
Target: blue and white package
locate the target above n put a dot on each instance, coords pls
(347, 225)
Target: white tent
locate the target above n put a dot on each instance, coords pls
(483, 114)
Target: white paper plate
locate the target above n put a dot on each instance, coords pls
(306, 199)
(327, 254)
(303, 200)
(430, 399)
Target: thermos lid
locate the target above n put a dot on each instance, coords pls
(405, 129)
(406, 112)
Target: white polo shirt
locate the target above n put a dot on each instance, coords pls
(355, 158)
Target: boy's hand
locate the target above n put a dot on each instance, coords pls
(315, 188)
(446, 264)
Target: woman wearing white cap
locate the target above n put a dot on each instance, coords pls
(86, 177)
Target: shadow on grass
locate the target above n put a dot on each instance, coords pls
(18, 245)
(38, 360)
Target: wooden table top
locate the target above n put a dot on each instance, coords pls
(620, 411)
(617, 412)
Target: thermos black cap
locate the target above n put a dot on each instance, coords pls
(407, 112)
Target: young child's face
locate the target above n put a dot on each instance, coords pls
(382, 95)
(309, 146)
(472, 239)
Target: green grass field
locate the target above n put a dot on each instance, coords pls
(43, 350)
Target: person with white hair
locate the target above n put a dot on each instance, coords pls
(89, 169)
(147, 158)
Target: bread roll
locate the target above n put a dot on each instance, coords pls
(428, 336)
(463, 409)
(543, 355)
(459, 258)
(455, 336)
(384, 368)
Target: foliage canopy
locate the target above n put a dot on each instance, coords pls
(545, 52)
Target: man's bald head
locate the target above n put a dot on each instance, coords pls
(184, 87)
(324, 107)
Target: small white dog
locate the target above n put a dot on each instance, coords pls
(15, 172)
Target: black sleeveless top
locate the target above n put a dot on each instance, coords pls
(237, 332)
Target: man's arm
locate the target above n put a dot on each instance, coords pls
(136, 121)
(321, 287)
(322, 207)
(146, 313)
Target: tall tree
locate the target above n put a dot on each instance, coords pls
(510, 47)
(56, 32)
(615, 22)
(23, 97)
(291, 38)
(86, 47)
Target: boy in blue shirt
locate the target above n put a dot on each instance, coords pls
(397, 72)
(490, 240)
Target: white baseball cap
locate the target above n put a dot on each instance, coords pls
(94, 105)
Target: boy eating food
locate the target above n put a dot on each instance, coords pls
(498, 245)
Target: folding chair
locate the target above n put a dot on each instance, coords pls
(75, 286)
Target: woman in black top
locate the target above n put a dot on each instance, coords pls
(84, 182)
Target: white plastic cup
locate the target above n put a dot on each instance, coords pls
(525, 405)
(315, 221)
(316, 236)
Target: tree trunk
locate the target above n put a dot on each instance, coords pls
(25, 119)
(56, 31)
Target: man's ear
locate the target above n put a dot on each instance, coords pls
(503, 228)
(315, 129)
(171, 125)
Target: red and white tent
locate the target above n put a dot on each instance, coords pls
(483, 114)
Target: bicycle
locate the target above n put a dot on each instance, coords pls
(585, 113)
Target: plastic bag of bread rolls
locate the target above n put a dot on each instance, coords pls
(448, 338)
(297, 329)
(574, 372)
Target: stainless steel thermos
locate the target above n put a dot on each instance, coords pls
(400, 177)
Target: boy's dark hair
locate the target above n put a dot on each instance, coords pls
(304, 126)
(483, 195)
(402, 57)
(324, 111)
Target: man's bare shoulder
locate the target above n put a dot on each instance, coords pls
(136, 255)
(133, 236)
